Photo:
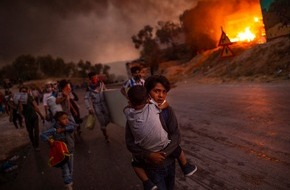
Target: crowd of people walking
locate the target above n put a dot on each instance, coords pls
(151, 133)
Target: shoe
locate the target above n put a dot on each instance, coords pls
(149, 185)
(37, 149)
(107, 139)
(188, 169)
(69, 186)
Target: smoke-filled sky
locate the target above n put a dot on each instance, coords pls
(94, 30)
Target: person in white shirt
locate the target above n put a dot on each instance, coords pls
(135, 80)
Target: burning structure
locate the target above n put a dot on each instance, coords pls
(242, 21)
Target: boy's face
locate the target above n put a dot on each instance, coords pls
(94, 79)
(158, 93)
(63, 120)
(136, 75)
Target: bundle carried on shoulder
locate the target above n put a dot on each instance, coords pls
(58, 153)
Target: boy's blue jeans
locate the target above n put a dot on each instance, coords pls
(164, 178)
(67, 170)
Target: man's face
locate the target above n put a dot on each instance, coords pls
(66, 89)
(24, 90)
(94, 79)
(136, 75)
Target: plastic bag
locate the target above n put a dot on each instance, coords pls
(58, 154)
(90, 122)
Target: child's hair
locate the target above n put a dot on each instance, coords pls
(58, 114)
(137, 95)
(151, 82)
(91, 74)
(134, 69)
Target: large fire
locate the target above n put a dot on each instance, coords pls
(245, 27)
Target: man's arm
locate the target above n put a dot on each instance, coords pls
(123, 89)
(171, 127)
(88, 102)
(137, 151)
(46, 135)
(36, 108)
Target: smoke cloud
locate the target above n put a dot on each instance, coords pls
(95, 30)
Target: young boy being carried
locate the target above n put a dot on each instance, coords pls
(143, 119)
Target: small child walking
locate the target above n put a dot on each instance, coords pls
(62, 130)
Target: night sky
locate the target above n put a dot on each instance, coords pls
(95, 30)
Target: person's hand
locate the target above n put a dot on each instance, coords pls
(156, 157)
(47, 117)
(50, 142)
(42, 118)
(163, 105)
(65, 93)
(59, 130)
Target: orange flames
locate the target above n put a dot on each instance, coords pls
(245, 27)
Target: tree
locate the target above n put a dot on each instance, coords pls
(25, 68)
(98, 68)
(106, 70)
(45, 63)
(149, 47)
(166, 32)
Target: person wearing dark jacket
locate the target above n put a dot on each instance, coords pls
(160, 166)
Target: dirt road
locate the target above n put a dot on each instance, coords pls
(238, 135)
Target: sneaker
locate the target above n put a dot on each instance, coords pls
(149, 185)
(188, 169)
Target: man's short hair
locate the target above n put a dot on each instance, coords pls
(134, 69)
(138, 95)
(91, 74)
(62, 84)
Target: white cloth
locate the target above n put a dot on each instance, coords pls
(131, 82)
(52, 105)
(146, 128)
(45, 97)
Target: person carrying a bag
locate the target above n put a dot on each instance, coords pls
(95, 95)
(62, 130)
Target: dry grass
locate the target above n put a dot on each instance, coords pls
(262, 62)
